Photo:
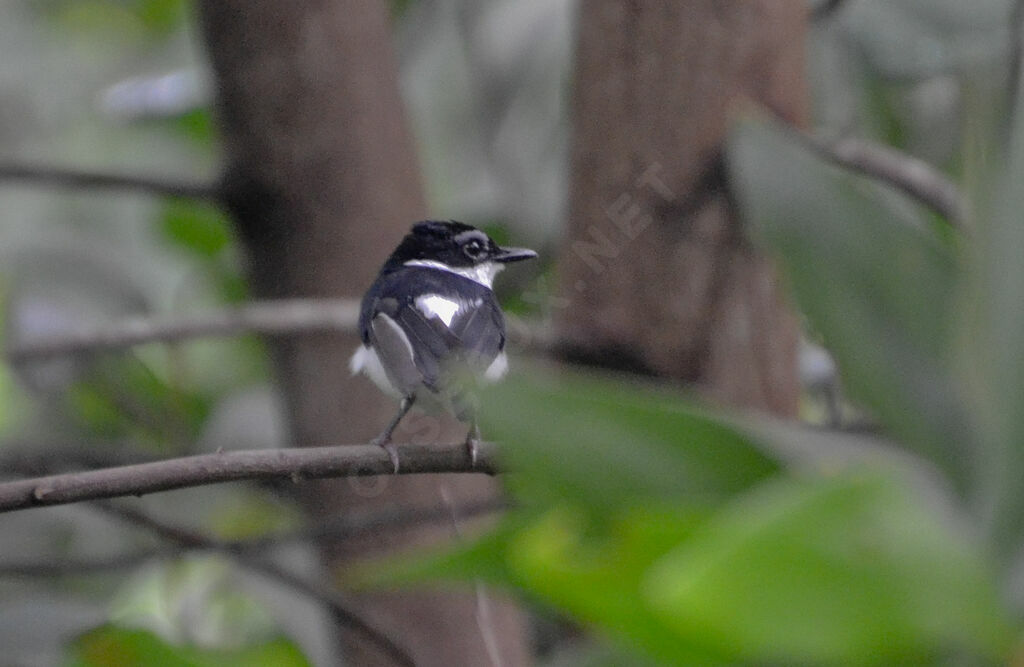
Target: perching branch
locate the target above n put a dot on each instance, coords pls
(79, 179)
(293, 463)
(906, 173)
(285, 317)
(186, 538)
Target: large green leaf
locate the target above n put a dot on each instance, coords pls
(555, 558)
(613, 475)
(849, 569)
(668, 530)
(613, 444)
(842, 570)
(872, 277)
(110, 645)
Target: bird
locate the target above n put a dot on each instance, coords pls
(431, 328)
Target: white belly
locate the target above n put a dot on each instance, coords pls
(366, 361)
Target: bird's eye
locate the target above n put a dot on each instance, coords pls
(474, 249)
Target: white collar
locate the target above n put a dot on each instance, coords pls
(481, 273)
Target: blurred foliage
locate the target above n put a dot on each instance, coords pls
(679, 533)
(197, 125)
(204, 231)
(111, 646)
(195, 599)
(144, 19)
(682, 536)
(126, 399)
(201, 228)
(875, 280)
(251, 515)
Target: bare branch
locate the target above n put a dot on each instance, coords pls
(334, 529)
(347, 526)
(65, 567)
(293, 463)
(289, 317)
(286, 317)
(186, 538)
(79, 179)
(906, 173)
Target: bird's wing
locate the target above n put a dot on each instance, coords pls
(481, 331)
(405, 330)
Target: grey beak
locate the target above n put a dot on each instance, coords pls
(506, 255)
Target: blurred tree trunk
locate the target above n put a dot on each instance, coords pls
(322, 180)
(657, 273)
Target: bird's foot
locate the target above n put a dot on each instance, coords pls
(385, 443)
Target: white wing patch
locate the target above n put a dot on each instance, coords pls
(435, 305)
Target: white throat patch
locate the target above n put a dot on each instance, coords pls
(481, 273)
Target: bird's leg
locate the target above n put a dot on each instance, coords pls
(384, 439)
(473, 441)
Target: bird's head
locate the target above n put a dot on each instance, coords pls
(454, 246)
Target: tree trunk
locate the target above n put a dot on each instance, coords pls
(322, 181)
(657, 274)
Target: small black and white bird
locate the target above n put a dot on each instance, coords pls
(431, 327)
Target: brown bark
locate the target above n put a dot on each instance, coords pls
(322, 180)
(657, 273)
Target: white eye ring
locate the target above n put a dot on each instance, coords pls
(474, 249)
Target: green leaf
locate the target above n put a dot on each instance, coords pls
(162, 16)
(556, 558)
(597, 655)
(873, 278)
(613, 444)
(198, 126)
(665, 529)
(251, 514)
(843, 570)
(128, 396)
(111, 646)
(199, 227)
(598, 578)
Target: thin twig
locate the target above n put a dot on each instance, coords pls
(65, 567)
(338, 606)
(906, 173)
(333, 529)
(285, 317)
(292, 463)
(80, 179)
(346, 527)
